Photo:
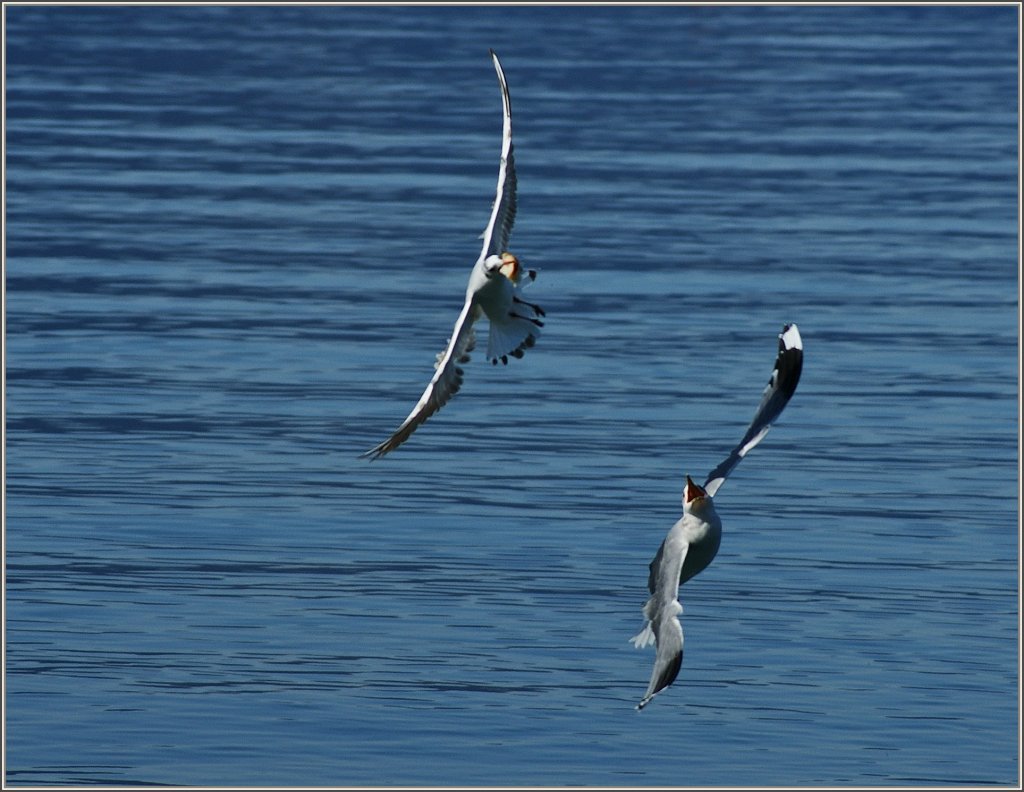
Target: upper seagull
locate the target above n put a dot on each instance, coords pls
(693, 541)
(494, 289)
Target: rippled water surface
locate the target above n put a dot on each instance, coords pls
(236, 238)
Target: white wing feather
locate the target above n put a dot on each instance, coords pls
(443, 385)
(780, 389)
(503, 213)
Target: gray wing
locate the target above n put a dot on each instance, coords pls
(443, 385)
(654, 566)
(662, 612)
(668, 661)
(503, 213)
(781, 387)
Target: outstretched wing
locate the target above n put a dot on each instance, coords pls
(503, 213)
(781, 387)
(443, 385)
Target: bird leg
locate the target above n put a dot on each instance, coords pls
(536, 308)
(537, 322)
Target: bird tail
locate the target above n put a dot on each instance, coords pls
(513, 334)
(644, 638)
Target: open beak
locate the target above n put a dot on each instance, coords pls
(694, 491)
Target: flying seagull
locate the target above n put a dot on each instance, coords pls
(693, 541)
(494, 290)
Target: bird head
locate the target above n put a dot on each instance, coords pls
(493, 265)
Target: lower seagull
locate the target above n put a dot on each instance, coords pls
(693, 541)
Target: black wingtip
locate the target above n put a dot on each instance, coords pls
(667, 677)
(790, 362)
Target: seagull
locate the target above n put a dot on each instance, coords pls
(693, 541)
(494, 290)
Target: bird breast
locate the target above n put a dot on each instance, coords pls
(704, 537)
(696, 529)
(494, 296)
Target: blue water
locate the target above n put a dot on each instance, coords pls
(237, 237)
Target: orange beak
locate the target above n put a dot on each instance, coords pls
(510, 266)
(694, 491)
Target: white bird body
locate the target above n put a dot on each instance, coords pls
(693, 541)
(494, 290)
